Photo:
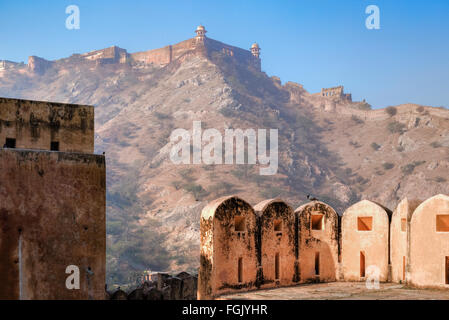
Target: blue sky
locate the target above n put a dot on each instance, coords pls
(318, 43)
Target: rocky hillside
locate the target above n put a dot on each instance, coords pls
(337, 150)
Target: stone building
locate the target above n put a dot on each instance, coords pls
(429, 244)
(318, 242)
(27, 124)
(229, 251)
(335, 92)
(365, 229)
(52, 201)
(279, 249)
(400, 238)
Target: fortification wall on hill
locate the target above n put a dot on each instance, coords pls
(208, 47)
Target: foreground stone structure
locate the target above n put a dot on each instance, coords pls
(52, 203)
(159, 286)
(429, 244)
(365, 240)
(313, 244)
(400, 238)
(277, 232)
(318, 242)
(229, 248)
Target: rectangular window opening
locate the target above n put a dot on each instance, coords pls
(10, 143)
(240, 270)
(364, 223)
(403, 225)
(447, 270)
(317, 263)
(276, 266)
(239, 223)
(54, 146)
(317, 221)
(362, 264)
(278, 225)
(442, 223)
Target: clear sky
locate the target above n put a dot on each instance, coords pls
(319, 43)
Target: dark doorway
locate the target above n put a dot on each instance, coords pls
(317, 263)
(447, 270)
(362, 264)
(240, 270)
(276, 266)
(403, 268)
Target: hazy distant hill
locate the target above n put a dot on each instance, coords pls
(337, 150)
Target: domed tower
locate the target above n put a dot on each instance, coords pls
(200, 33)
(255, 50)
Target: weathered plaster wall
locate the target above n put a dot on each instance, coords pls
(279, 248)
(53, 204)
(323, 242)
(429, 248)
(35, 124)
(399, 239)
(222, 248)
(374, 243)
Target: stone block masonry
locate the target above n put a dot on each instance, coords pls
(52, 201)
(40, 125)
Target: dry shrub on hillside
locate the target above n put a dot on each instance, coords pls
(392, 111)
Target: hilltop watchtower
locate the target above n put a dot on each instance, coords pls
(200, 33)
(255, 50)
